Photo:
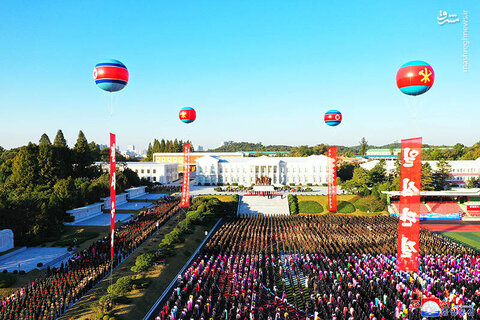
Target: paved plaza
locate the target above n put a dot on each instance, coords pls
(27, 259)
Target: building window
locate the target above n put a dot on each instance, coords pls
(142, 171)
(154, 178)
(136, 170)
(148, 170)
(155, 171)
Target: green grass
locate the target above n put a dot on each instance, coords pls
(345, 207)
(359, 204)
(468, 238)
(6, 280)
(81, 237)
(309, 207)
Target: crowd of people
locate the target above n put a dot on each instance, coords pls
(321, 267)
(51, 295)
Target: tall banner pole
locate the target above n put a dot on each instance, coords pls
(185, 199)
(332, 178)
(409, 221)
(113, 183)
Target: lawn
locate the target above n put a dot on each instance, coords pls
(323, 200)
(468, 238)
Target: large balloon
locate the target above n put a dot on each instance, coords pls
(415, 77)
(110, 75)
(333, 117)
(187, 115)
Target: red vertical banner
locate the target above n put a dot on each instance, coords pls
(185, 200)
(113, 188)
(332, 178)
(409, 221)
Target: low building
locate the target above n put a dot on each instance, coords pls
(155, 172)
(279, 170)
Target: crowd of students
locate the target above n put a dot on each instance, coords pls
(51, 295)
(321, 267)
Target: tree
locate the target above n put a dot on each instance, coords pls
(149, 152)
(441, 176)
(345, 171)
(359, 181)
(378, 173)
(157, 146)
(25, 166)
(82, 155)
(60, 140)
(427, 181)
(169, 147)
(176, 146)
(44, 140)
(363, 147)
(162, 146)
(473, 183)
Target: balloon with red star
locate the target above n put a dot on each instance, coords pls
(187, 115)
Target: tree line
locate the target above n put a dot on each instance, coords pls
(163, 146)
(39, 182)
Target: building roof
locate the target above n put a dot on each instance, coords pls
(265, 159)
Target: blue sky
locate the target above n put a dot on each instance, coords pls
(258, 71)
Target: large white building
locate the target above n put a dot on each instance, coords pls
(244, 171)
(462, 170)
(152, 171)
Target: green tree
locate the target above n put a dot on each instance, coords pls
(163, 146)
(359, 182)
(157, 146)
(47, 164)
(363, 147)
(82, 155)
(345, 171)
(427, 181)
(176, 147)
(169, 147)
(60, 140)
(44, 140)
(149, 152)
(378, 173)
(25, 166)
(441, 176)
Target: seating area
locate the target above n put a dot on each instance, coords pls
(423, 208)
(263, 206)
(444, 207)
(435, 210)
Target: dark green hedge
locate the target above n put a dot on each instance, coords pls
(345, 207)
(310, 207)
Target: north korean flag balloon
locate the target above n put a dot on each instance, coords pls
(415, 77)
(333, 118)
(187, 115)
(110, 75)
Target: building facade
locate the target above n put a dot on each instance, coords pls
(245, 171)
(155, 172)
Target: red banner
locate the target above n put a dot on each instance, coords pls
(185, 200)
(473, 207)
(409, 221)
(332, 179)
(113, 189)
